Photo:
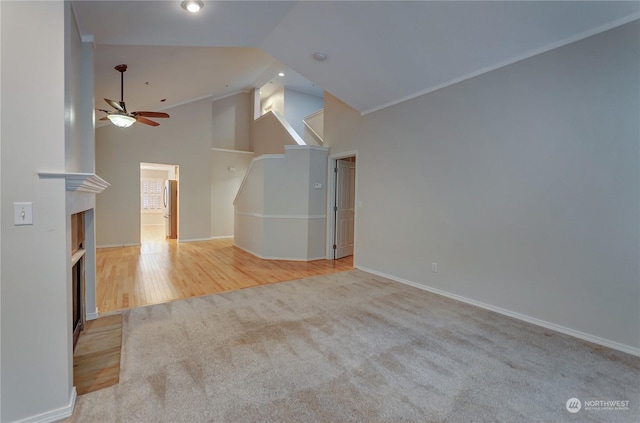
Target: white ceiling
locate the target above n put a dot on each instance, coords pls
(378, 53)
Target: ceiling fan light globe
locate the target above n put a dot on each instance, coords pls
(121, 121)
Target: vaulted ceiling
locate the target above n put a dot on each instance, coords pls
(378, 53)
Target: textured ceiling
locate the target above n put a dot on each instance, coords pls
(378, 53)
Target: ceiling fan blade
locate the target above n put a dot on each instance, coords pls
(146, 121)
(104, 118)
(151, 114)
(103, 110)
(116, 105)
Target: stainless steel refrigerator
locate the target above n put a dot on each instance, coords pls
(171, 208)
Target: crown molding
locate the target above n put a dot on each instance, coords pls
(84, 182)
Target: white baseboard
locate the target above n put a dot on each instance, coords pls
(222, 237)
(117, 245)
(562, 329)
(54, 415)
(92, 315)
(195, 239)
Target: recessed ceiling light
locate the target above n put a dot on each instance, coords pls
(192, 6)
(281, 74)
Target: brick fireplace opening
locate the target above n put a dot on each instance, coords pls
(78, 274)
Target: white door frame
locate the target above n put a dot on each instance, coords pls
(331, 195)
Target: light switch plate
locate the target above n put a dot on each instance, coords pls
(23, 214)
(318, 186)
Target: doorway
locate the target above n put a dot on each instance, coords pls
(342, 209)
(158, 213)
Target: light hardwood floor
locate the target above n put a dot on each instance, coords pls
(96, 359)
(159, 270)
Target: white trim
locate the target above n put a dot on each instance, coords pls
(535, 321)
(313, 132)
(222, 237)
(534, 52)
(279, 258)
(314, 114)
(306, 147)
(230, 95)
(152, 224)
(331, 192)
(344, 155)
(92, 316)
(54, 415)
(157, 166)
(282, 216)
(85, 182)
(195, 239)
(226, 150)
(118, 245)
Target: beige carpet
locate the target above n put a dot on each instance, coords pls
(96, 359)
(352, 347)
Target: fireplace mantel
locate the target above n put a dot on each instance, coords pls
(85, 182)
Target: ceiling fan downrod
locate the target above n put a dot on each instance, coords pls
(122, 69)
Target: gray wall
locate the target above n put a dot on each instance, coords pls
(35, 354)
(184, 140)
(522, 184)
(231, 122)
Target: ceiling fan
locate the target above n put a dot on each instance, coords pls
(120, 117)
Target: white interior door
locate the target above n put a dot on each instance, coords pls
(345, 207)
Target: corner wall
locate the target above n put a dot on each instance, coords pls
(227, 171)
(522, 184)
(36, 378)
(231, 122)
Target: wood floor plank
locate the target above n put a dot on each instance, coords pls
(96, 358)
(162, 270)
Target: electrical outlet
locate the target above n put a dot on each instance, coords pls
(434, 267)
